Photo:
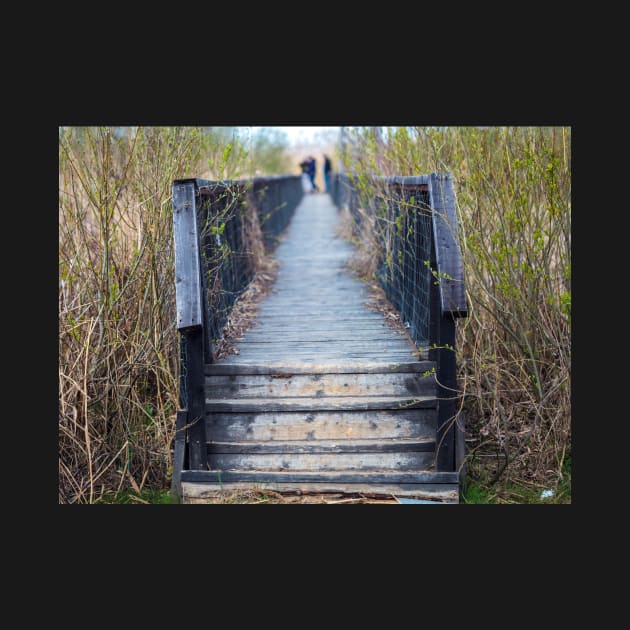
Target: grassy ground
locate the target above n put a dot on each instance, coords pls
(480, 491)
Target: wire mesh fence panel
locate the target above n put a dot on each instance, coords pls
(399, 217)
(237, 221)
(227, 266)
(276, 199)
(404, 272)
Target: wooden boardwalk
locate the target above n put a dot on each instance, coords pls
(323, 395)
(317, 312)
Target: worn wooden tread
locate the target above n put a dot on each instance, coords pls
(306, 338)
(319, 385)
(336, 345)
(326, 425)
(320, 461)
(373, 476)
(346, 403)
(339, 367)
(381, 445)
(320, 352)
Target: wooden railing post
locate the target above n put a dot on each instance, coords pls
(189, 301)
(447, 393)
(448, 301)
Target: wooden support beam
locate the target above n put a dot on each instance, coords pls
(447, 395)
(447, 253)
(196, 399)
(187, 275)
(189, 304)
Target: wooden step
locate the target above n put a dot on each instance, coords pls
(278, 315)
(392, 445)
(321, 354)
(321, 425)
(317, 457)
(318, 356)
(320, 385)
(348, 336)
(319, 362)
(340, 403)
(238, 366)
(333, 346)
(201, 485)
(375, 476)
(434, 493)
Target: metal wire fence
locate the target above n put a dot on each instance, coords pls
(275, 199)
(396, 211)
(237, 221)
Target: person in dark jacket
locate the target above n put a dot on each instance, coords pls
(311, 173)
(327, 171)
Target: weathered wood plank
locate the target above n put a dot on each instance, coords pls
(306, 359)
(349, 403)
(347, 337)
(445, 493)
(356, 345)
(195, 387)
(318, 385)
(276, 359)
(327, 285)
(295, 333)
(324, 446)
(325, 352)
(280, 315)
(292, 328)
(215, 476)
(321, 425)
(313, 340)
(187, 276)
(319, 368)
(447, 392)
(318, 362)
(317, 461)
(319, 323)
(448, 255)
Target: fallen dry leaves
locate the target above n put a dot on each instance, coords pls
(245, 308)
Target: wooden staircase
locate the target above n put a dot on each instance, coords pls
(322, 394)
(361, 428)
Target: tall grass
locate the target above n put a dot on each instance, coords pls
(513, 189)
(118, 379)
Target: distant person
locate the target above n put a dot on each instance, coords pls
(327, 171)
(311, 173)
(306, 180)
